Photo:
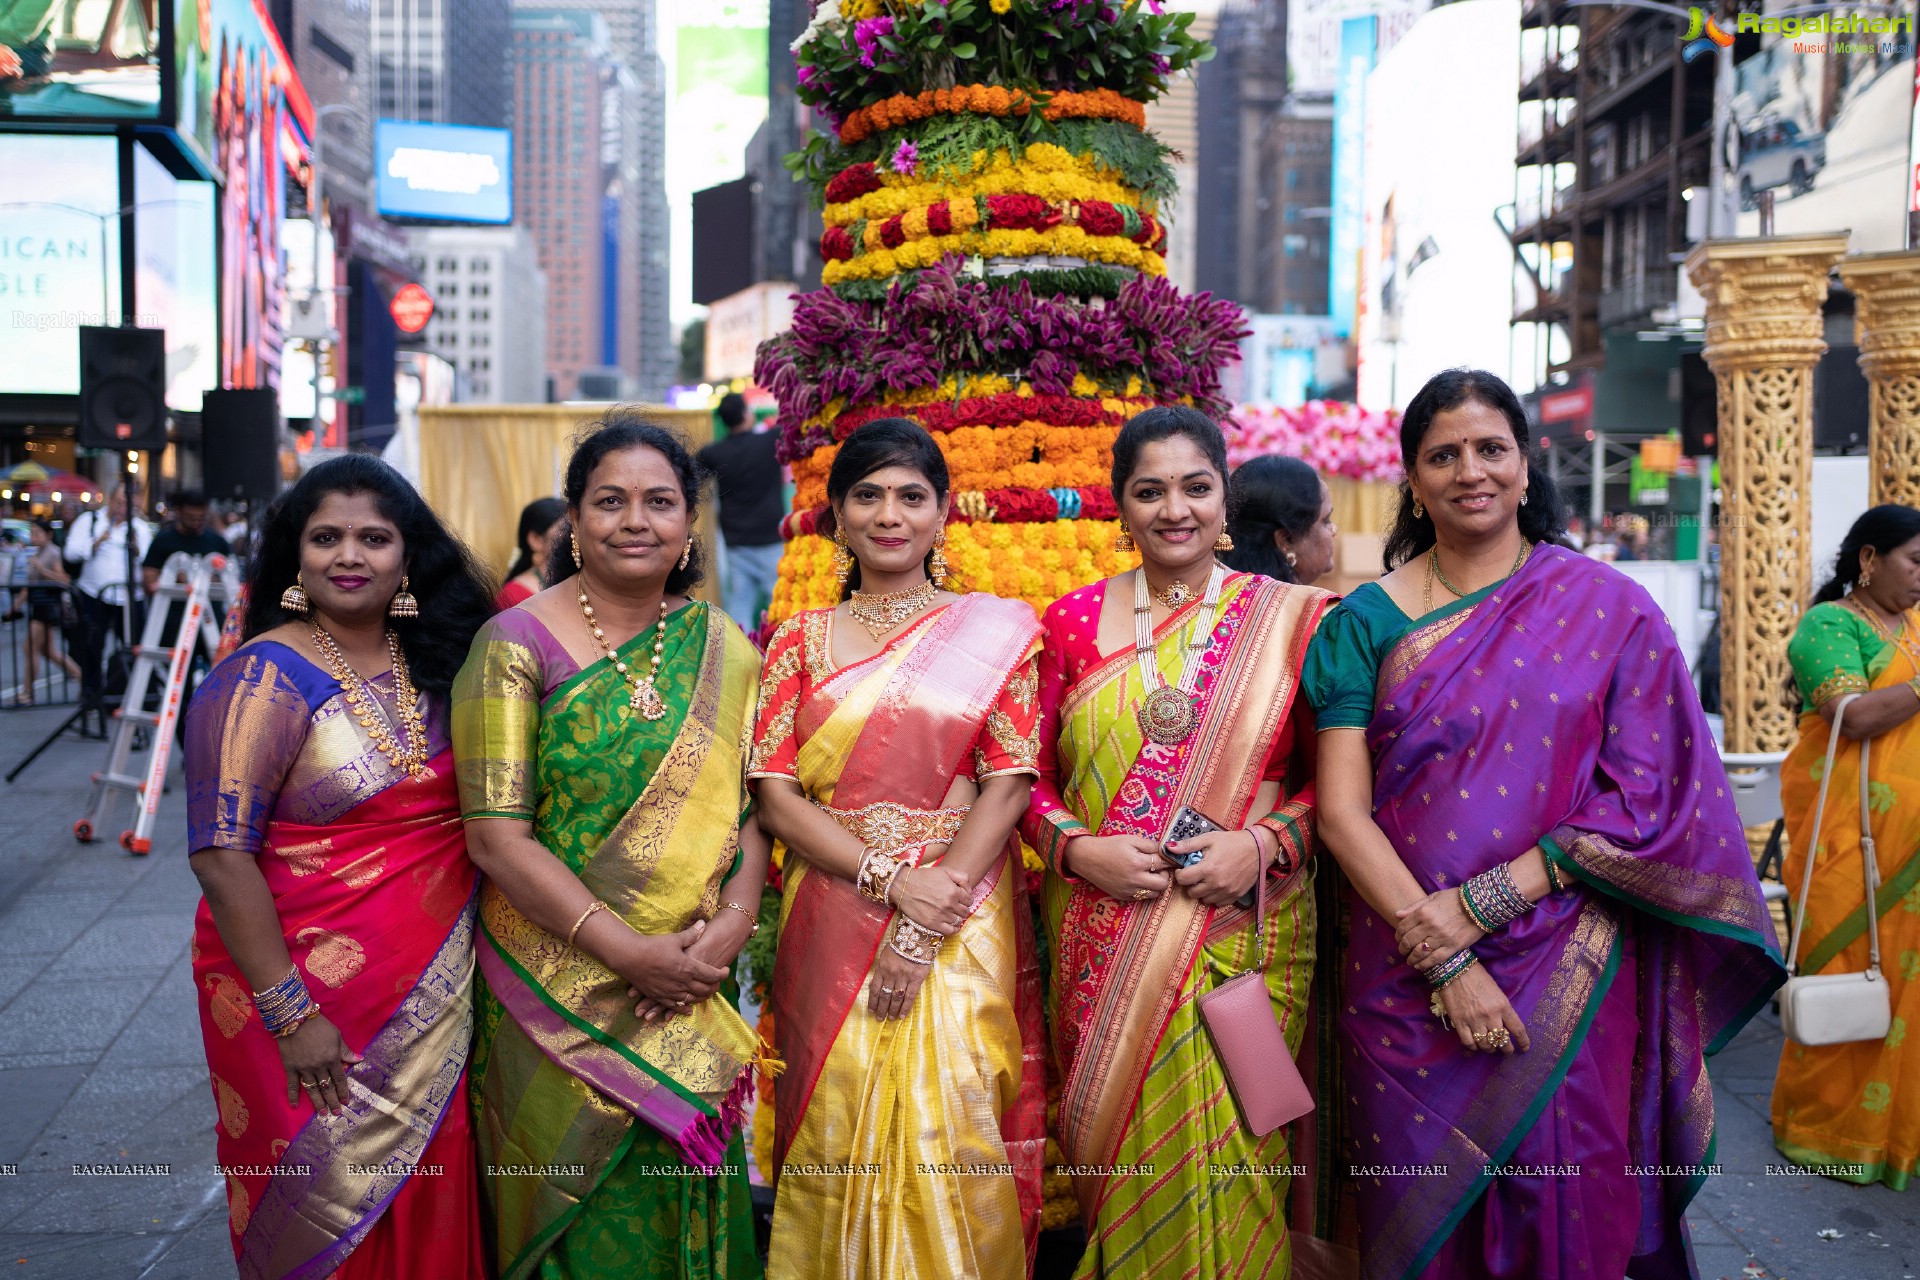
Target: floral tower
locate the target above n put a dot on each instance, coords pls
(994, 213)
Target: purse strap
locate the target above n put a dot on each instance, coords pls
(1870, 868)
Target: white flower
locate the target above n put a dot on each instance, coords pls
(826, 18)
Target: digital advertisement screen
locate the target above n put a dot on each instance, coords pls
(443, 172)
(174, 275)
(74, 61)
(59, 256)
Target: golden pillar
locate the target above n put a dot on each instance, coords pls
(1886, 299)
(1764, 335)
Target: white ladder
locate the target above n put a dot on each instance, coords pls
(208, 578)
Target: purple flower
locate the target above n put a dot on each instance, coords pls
(867, 34)
(906, 158)
(807, 76)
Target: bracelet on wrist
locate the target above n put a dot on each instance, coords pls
(574, 932)
(1555, 884)
(915, 942)
(752, 916)
(1473, 912)
(1493, 899)
(878, 870)
(1444, 973)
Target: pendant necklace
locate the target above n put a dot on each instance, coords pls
(646, 698)
(881, 613)
(1168, 715)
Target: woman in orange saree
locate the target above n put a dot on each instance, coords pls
(893, 758)
(1170, 1182)
(333, 955)
(1852, 1111)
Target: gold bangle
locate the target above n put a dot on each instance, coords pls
(743, 911)
(575, 931)
(915, 942)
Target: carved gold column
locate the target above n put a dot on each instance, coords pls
(1886, 319)
(1763, 301)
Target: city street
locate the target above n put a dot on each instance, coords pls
(106, 1142)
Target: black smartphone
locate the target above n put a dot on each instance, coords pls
(1189, 822)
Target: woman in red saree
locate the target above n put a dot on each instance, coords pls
(1170, 1182)
(333, 954)
(1554, 917)
(893, 755)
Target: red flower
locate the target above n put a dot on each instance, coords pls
(1100, 218)
(1098, 504)
(836, 245)
(939, 219)
(1020, 213)
(852, 182)
(892, 235)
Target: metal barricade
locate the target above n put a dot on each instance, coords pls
(31, 620)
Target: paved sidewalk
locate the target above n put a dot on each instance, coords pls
(101, 1065)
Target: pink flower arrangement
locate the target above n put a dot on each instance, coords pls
(906, 157)
(1332, 437)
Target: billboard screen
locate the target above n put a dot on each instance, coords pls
(59, 256)
(174, 275)
(80, 62)
(1823, 123)
(443, 172)
(1349, 168)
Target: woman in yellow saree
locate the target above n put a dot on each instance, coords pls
(893, 756)
(1169, 1182)
(1852, 1111)
(601, 730)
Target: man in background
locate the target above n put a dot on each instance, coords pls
(96, 552)
(187, 532)
(752, 501)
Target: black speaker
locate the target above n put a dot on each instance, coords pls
(1840, 402)
(240, 443)
(123, 389)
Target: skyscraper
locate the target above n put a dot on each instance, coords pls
(444, 61)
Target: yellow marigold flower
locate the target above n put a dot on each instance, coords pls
(999, 6)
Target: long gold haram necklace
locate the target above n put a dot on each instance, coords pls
(1434, 570)
(1168, 715)
(646, 698)
(410, 759)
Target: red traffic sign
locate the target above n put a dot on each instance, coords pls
(412, 307)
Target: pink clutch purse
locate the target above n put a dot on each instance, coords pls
(1260, 1069)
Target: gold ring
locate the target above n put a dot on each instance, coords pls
(1499, 1037)
(1141, 895)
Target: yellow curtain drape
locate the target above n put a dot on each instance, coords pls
(1362, 512)
(480, 464)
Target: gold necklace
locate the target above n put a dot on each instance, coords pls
(411, 759)
(1167, 714)
(880, 614)
(1176, 595)
(646, 697)
(1902, 639)
(1433, 564)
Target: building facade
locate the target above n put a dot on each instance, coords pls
(490, 310)
(444, 61)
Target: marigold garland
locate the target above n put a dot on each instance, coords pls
(989, 100)
(862, 192)
(1067, 242)
(1037, 562)
(1008, 211)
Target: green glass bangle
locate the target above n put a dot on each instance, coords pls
(1473, 912)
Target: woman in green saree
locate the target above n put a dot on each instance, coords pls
(601, 731)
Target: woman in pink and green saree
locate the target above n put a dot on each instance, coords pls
(1173, 687)
(1554, 915)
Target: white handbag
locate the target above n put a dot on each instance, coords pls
(1838, 1008)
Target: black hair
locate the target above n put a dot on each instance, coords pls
(188, 498)
(1265, 496)
(875, 446)
(537, 516)
(1542, 518)
(1883, 528)
(455, 595)
(1161, 423)
(44, 525)
(628, 428)
(733, 409)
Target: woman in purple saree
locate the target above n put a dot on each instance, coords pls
(1554, 914)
